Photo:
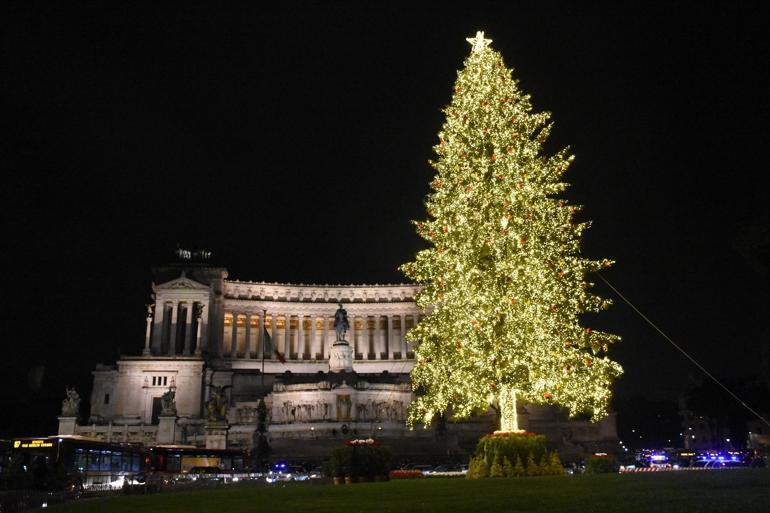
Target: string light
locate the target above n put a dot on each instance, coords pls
(503, 281)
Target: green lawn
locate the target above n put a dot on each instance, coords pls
(736, 490)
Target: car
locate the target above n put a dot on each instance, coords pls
(282, 472)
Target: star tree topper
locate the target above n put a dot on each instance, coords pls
(478, 43)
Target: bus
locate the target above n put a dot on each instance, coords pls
(74, 461)
(187, 459)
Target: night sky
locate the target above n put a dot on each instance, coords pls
(293, 144)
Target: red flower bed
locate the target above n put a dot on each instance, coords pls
(405, 474)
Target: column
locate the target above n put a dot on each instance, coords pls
(377, 338)
(274, 337)
(350, 336)
(313, 343)
(364, 337)
(391, 338)
(199, 323)
(234, 338)
(172, 331)
(287, 336)
(324, 336)
(157, 334)
(300, 337)
(261, 336)
(147, 331)
(402, 336)
(247, 342)
(187, 329)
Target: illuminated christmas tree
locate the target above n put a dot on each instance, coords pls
(503, 281)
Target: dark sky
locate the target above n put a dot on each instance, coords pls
(293, 143)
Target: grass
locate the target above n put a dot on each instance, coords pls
(735, 490)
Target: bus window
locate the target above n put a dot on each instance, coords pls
(115, 466)
(93, 460)
(80, 461)
(136, 462)
(105, 462)
(174, 463)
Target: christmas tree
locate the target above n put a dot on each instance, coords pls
(503, 281)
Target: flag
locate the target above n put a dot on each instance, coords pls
(268, 349)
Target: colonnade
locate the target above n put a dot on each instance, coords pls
(310, 336)
(174, 327)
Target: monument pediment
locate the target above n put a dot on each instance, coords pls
(181, 283)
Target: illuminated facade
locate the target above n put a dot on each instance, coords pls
(205, 332)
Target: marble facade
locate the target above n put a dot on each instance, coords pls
(204, 330)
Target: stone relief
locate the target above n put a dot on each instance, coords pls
(344, 405)
(290, 412)
(380, 410)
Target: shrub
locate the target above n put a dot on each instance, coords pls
(477, 468)
(518, 469)
(359, 461)
(495, 454)
(602, 464)
(507, 468)
(496, 470)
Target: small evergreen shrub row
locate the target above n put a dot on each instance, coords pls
(513, 455)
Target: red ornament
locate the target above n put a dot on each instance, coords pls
(475, 323)
(457, 89)
(493, 157)
(469, 189)
(587, 362)
(547, 395)
(509, 149)
(440, 250)
(486, 130)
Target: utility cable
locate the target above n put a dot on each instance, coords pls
(678, 348)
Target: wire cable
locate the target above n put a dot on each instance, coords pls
(678, 348)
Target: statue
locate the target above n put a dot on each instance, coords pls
(199, 310)
(216, 406)
(168, 402)
(341, 324)
(70, 406)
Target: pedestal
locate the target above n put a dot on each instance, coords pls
(341, 357)
(68, 425)
(216, 435)
(166, 430)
